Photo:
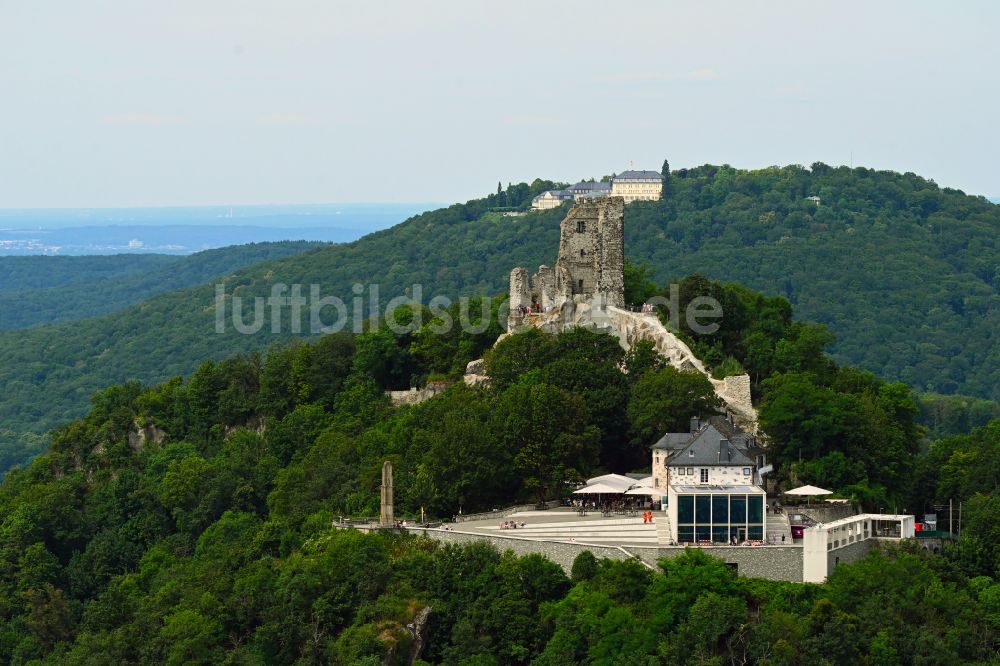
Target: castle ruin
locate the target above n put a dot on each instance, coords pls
(587, 288)
(590, 264)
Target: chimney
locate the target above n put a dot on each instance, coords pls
(723, 450)
(695, 424)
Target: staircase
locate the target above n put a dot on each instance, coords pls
(662, 522)
(777, 525)
(610, 531)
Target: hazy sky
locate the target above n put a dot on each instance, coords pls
(133, 102)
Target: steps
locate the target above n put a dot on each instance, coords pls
(610, 531)
(777, 525)
(662, 523)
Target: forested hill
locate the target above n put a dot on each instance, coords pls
(905, 273)
(209, 540)
(46, 290)
(45, 272)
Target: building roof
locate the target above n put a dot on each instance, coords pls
(742, 440)
(638, 175)
(556, 194)
(746, 443)
(708, 446)
(672, 441)
(591, 186)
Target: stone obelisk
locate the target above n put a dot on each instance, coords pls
(385, 515)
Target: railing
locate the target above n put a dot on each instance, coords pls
(502, 513)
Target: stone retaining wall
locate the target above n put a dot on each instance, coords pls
(850, 553)
(771, 562)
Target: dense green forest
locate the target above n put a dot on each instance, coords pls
(904, 273)
(189, 522)
(45, 272)
(46, 290)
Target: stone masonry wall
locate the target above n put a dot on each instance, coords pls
(414, 395)
(771, 562)
(849, 553)
(611, 274)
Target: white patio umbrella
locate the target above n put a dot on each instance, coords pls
(622, 483)
(808, 491)
(644, 490)
(598, 488)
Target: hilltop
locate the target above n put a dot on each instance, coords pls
(905, 273)
(166, 526)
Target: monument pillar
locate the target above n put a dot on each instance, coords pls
(385, 515)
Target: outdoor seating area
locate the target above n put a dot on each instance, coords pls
(615, 495)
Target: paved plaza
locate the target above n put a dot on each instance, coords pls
(565, 524)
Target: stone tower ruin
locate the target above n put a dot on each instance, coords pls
(386, 517)
(591, 262)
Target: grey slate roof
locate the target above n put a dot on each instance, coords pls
(672, 441)
(558, 194)
(704, 449)
(742, 440)
(586, 186)
(639, 175)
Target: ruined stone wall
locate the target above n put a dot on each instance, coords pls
(579, 250)
(414, 396)
(520, 288)
(592, 250)
(611, 270)
(543, 287)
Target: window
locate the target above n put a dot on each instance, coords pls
(656, 483)
(702, 509)
(746, 471)
(704, 475)
(690, 470)
(738, 508)
(720, 510)
(580, 283)
(580, 227)
(685, 509)
(583, 253)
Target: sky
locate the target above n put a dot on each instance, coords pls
(140, 103)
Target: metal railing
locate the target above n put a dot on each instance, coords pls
(502, 513)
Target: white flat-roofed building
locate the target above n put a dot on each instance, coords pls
(827, 544)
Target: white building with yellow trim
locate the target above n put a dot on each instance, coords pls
(637, 185)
